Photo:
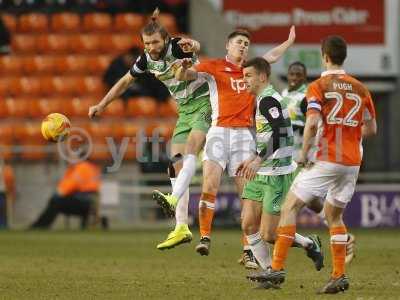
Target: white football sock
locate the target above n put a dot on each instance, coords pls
(185, 176)
(181, 210)
(305, 242)
(260, 250)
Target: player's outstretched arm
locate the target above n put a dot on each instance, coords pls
(275, 54)
(185, 72)
(118, 88)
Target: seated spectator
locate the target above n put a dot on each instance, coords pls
(77, 194)
(5, 39)
(146, 85)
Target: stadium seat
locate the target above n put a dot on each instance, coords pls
(115, 109)
(24, 43)
(59, 85)
(10, 65)
(162, 129)
(128, 22)
(3, 109)
(42, 64)
(43, 106)
(29, 135)
(18, 107)
(169, 23)
(10, 21)
(130, 131)
(4, 86)
(142, 107)
(85, 43)
(80, 106)
(65, 22)
(6, 140)
(53, 43)
(168, 109)
(91, 85)
(98, 64)
(97, 22)
(70, 64)
(22, 86)
(118, 43)
(33, 22)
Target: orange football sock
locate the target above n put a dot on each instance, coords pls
(285, 238)
(206, 213)
(338, 250)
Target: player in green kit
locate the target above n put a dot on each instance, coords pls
(162, 56)
(270, 172)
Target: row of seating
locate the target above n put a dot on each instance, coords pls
(139, 107)
(11, 65)
(74, 22)
(93, 43)
(24, 140)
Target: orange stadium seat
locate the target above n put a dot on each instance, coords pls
(80, 106)
(65, 22)
(4, 86)
(6, 140)
(95, 22)
(117, 43)
(168, 109)
(10, 21)
(115, 109)
(128, 22)
(18, 107)
(98, 64)
(33, 22)
(162, 129)
(169, 23)
(142, 107)
(70, 64)
(24, 43)
(53, 43)
(90, 85)
(83, 43)
(29, 135)
(60, 85)
(130, 131)
(43, 106)
(24, 86)
(99, 132)
(10, 65)
(3, 108)
(38, 64)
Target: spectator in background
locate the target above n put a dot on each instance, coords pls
(5, 39)
(145, 85)
(77, 194)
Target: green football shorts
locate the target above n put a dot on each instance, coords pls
(269, 190)
(192, 116)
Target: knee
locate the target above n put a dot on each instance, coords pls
(210, 187)
(269, 236)
(249, 226)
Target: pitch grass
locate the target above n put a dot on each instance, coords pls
(126, 265)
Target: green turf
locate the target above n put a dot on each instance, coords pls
(126, 265)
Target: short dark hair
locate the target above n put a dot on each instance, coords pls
(237, 32)
(298, 64)
(335, 47)
(260, 64)
(154, 26)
